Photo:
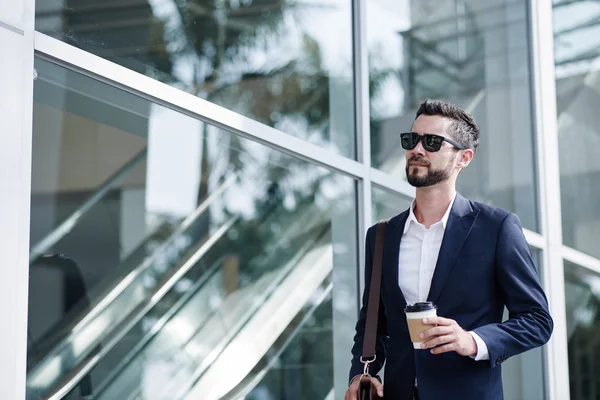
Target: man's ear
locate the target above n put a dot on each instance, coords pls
(465, 157)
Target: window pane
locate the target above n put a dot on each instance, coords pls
(167, 253)
(471, 53)
(285, 63)
(582, 296)
(388, 205)
(576, 30)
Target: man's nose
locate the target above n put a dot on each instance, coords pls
(419, 150)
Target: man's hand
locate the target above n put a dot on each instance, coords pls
(352, 392)
(449, 336)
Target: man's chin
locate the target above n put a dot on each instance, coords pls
(417, 183)
(416, 180)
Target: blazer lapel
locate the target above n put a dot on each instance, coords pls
(391, 252)
(460, 221)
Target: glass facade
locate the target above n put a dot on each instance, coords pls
(197, 236)
(576, 54)
(178, 250)
(387, 204)
(471, 53)
(284, 63)
(577, 88)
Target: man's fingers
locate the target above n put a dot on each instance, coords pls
(438, 321)
(352, 392)
(437, 331)
(378, 386)
(444, 349)
(438, 341)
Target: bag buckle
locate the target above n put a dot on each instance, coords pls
(367, 362)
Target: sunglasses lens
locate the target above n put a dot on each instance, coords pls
(432, 142)
(408, 140)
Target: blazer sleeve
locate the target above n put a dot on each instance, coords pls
(530, 324)
(382, 332)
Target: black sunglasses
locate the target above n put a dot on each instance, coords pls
(431, 142)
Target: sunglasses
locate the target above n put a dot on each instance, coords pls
(431, 142)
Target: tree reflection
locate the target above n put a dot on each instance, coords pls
(226, 52)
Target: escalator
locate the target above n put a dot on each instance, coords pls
(159, 292)
(120, 300)
(189, 315)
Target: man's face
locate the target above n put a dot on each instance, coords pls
(425, 168)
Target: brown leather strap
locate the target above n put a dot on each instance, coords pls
(366, 390)
(370, 337)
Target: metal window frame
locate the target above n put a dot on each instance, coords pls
(546, 127)
(581, 259)
(128, 80)
(363, 131)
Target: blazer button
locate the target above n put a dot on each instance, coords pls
(498, 362)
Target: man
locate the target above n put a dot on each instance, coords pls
(468, 258)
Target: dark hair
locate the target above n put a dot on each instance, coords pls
(464, 129)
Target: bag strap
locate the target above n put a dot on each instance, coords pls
(370, 335)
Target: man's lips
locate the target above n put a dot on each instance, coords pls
(418, 164)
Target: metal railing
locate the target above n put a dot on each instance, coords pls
(72, 220)
(103, 307)
(70, 381)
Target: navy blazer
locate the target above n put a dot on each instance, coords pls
(484, 264)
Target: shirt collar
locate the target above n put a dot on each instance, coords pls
(411, 215)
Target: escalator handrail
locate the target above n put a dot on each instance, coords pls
(63, 387)
(266, 296)
(156, 328)
(299, 222)
(116, 291)
(241, 390)
(190, 386)
(68, 224)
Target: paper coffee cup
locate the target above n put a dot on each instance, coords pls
(414, 318)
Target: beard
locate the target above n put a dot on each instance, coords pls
(433, 176)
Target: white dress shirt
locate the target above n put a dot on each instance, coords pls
(419, 250)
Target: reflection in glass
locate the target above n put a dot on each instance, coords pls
(576, 28)
(471, 53)
(168, 254)
(285, 63)
(582, 296)
(387, 205)
(301, 369)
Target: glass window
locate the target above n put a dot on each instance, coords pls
(387, 205)
(167, 254)
(285, 63)
(474, 54)
(576, 28)
(582, 296)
